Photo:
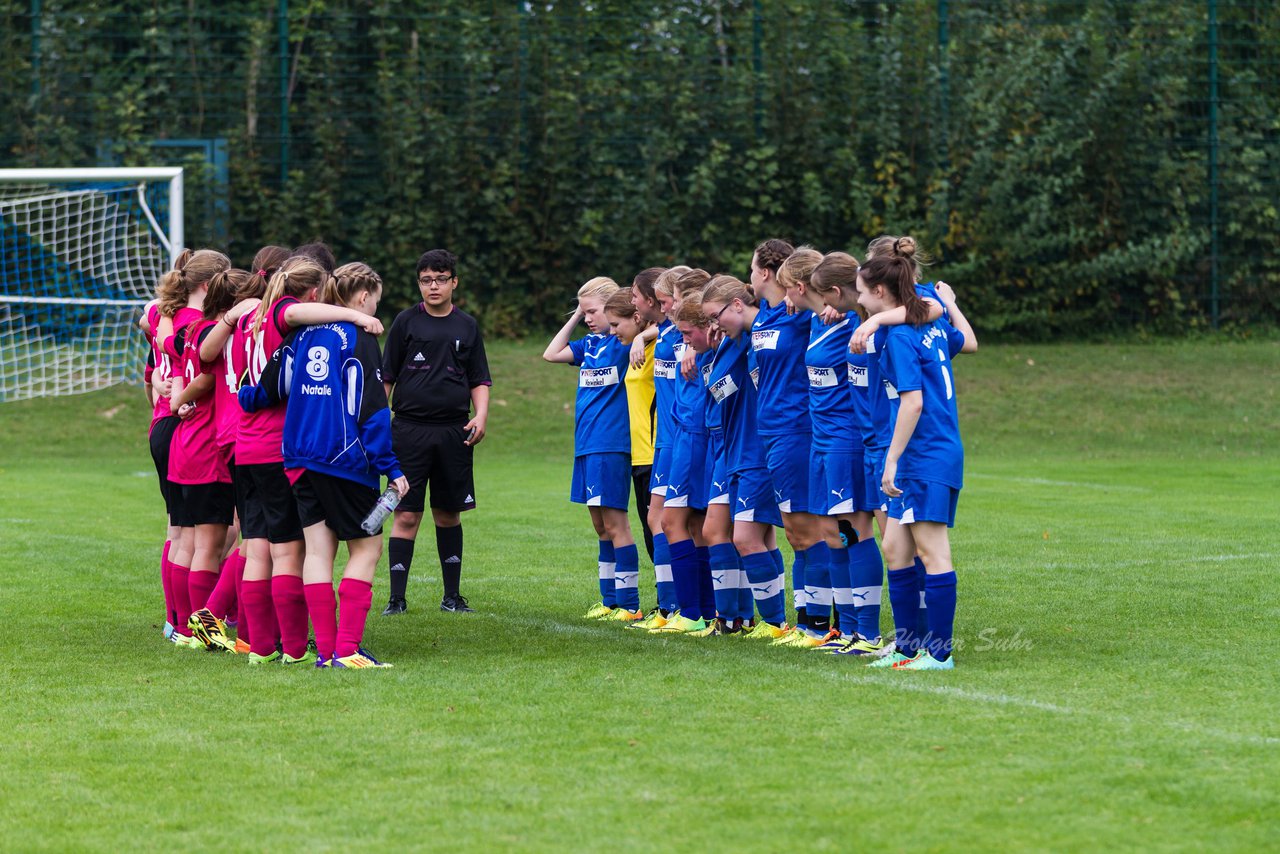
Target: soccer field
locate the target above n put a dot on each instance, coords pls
(1117, 680)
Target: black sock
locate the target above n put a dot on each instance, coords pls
(819, 624)
(802, 617)
(449, 547)
(400, 556)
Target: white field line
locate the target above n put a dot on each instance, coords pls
(914, 684)
(1075, 484)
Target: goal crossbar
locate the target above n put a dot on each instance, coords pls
(172, 174)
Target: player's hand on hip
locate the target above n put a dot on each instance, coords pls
(475, 432)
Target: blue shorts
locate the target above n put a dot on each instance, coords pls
(787, 457)
(718, 481)
(686, 479)
(873, 468)
(923, 501)
(751, 497)
(660, 472)
(871, 496)
(831, 482)
(602, 480)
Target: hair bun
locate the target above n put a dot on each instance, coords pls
(905, 246)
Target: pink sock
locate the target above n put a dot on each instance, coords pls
(323, 608)
(178, 583)
(200, 585)
(256, 596)
(354, 597)
(242, 613)
(291, 613)
(164, 582)
(222, 601)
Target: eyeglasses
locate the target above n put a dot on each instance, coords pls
(715, 318)
(428, 281)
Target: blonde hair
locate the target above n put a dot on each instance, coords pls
(190, 271)
(692, 283)
(691, 312)
(295, 277)
(799, 267)
(222, 291)
(601, 287)
(888, 246)
(349, 280)
(724, 289)
(837, 269)
(668, 280)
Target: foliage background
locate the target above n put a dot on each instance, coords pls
(1057, 156)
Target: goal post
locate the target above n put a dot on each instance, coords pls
(80, 253)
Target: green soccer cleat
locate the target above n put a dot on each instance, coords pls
(816, 642)
(211, 631)
(597, 611)
(651, 619)
(715, 628)
(306, 658)
(858, 645)
(925, 661)
(892, 660)
(768, 631)
(358, 660)
(622, 615)
(273, 657)
(680, 624)
(187, 641)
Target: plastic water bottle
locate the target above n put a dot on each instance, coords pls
(387, 502)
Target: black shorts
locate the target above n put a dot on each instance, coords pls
(161, 439)
(434, 454)
(268, 509)
(209, 503)
(337, 502)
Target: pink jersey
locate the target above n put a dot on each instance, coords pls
(194, 456)
(261, 433)
(163, 366)
(224, 390)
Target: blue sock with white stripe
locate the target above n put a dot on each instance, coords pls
(766, 587)
(608, 564)
(626, 577)
(706, 590)
(866, 572)
(799, 597)
(817, 586)
(723, 562)
(662, 571)
(746, 600)
(904, 599)
(842, 592)
(940, 590)
(922, 614)
(684, 572)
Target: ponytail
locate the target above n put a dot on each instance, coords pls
(191, 270)
(897, 274)
(223, 288)
(295, 278)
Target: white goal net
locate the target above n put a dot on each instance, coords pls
(80, 254)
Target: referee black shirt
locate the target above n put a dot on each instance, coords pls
(434, 362)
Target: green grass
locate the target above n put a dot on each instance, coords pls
(1118, 686)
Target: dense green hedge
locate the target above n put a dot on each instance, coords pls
(1054, 157)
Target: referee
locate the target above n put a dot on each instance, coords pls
(435, 363)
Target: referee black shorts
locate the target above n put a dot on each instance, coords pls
(434, 454)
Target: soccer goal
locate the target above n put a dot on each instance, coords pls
(80, 253)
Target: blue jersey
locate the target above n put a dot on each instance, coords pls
(601, 422)
(337, 422)
(691, 395)
(918, 358)
(859, 384)
(666, 375)
(734, 393)
(778, 340)
(714, 422)
(830, 395)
